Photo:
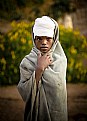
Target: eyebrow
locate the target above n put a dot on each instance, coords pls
(43, 37)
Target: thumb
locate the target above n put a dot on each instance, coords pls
(39, 55)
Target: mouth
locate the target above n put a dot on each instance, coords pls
(44, 49)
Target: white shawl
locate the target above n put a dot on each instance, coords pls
(49, 101)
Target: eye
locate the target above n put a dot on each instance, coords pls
(49, 38)
(38, 38)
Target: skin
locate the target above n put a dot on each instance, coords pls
(44, 44)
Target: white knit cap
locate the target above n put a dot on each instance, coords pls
(43, 26)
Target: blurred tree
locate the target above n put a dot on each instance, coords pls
(7, 5)
(59, 7)
(21, 2)
(8, 10)
(38, 1)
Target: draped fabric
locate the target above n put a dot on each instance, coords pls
(48, 102)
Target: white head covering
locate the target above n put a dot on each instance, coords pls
(43, 26)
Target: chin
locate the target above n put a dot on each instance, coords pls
(43, 53)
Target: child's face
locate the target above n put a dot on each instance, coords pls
(43, 43)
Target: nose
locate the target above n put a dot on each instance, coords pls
(44, 41)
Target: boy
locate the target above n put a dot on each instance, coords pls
(42, 82)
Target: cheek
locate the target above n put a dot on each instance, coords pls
(37, 45)
(50, 44)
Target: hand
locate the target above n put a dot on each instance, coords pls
(43, 61)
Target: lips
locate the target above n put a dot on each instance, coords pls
(43, 48)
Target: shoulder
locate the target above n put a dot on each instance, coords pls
(29, 61)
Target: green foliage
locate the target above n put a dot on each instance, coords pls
(20, 9)
(7, 5)
(38, 1)
(21, 2)
(8, 10)
(59, 7)
(18, 42)
(75, 46)
(13, 47)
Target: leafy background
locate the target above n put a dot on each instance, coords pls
(15, 44)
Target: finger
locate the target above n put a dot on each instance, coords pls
(47, 55)
(49, 52)
(51, 61)
(39, 55)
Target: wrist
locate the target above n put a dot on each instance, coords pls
(38, 74)
(40, 68)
